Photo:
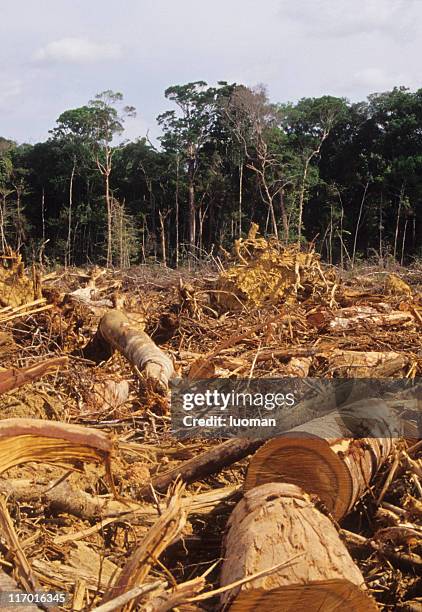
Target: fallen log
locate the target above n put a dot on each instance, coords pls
(203, 465)
(117, 332)
(361, 316)
(17, 377)
(276, 522)
(330, 456)
(366, 364)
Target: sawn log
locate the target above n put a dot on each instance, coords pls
(276, 523)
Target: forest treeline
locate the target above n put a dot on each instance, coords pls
(345, 176)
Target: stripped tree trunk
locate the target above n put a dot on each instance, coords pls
(278, 524)
(119, 333)
(324, 458)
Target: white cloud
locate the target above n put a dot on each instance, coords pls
(78, 51)
(339, 18)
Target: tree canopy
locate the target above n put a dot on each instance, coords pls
(346, 176)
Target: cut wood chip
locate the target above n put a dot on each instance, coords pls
(25, 440)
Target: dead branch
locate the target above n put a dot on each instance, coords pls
(16, 377)
(205, 464)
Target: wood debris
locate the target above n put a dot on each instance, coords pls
(100, 501)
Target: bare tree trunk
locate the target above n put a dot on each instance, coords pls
(163, 238)
(177, 209)
(302, 200)
(105, 170)
(284, 218)
(403, 242)
(191, 199)
(43, 214)
(358, 223)
(380, 248)
(240, 197)
(121, 236)
(109, 220)
(330, 237)
(341, 239)
(67, 254)
(3, 223)
(304, 179)
(396, 235)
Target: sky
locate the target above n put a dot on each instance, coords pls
(57, 54)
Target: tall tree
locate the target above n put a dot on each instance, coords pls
(308, 124)
(96, 125)
(187, 132)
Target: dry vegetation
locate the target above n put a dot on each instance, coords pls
(85, 439)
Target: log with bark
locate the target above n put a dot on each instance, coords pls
(116, 331)
(277, 523)
(334, 456)
(209, 462)
(366, 364)
(366, 316)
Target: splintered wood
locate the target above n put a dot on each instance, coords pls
(24, 440)
(100, 501)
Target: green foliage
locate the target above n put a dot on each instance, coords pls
(345, 175)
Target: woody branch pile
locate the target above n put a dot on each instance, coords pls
(99, 501)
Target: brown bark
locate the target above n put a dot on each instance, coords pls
(138, 348)
(277, 523)
(209, 462)
(324, 459)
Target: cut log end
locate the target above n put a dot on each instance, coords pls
(309, 463)
(324, 458)
(278, 525)
(327, 596)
